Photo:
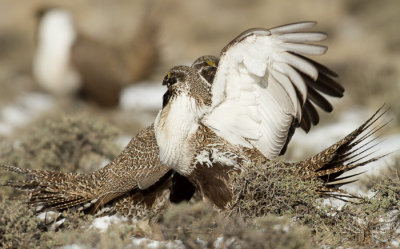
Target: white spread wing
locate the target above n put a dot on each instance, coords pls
(260, 87)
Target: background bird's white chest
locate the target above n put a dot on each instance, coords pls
(51, 65)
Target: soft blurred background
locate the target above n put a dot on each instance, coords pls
(364, 49)
(40, 129)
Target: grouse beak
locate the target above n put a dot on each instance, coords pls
(168, 80)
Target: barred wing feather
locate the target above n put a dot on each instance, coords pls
(264, 84)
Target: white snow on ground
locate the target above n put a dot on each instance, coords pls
(36, 101)
(154, 244)
(222, 242)
(73, 246)
(143, 96)
(23, 111)
(141, 243)
(102, 223)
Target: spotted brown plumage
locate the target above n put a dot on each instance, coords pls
(134, 184)
(194, 148)
(206, 67)
(134, 172)
(215, 166)
(216, 163)
(193, 154)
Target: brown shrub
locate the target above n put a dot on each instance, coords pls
(66, 143)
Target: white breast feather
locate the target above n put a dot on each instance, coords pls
(173, 130)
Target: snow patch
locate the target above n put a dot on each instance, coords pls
(73, 246)
(219, 242)
(144, 96)
(154, 244)
(36, 101)
(15, 115)
(222, 242)
(23, 111)
(103, 223)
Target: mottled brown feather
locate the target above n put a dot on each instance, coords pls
(60, 191)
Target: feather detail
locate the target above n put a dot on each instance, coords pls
(294, 77)
(270, 67)
(301, 65)
(303, 37)
(294, 27)
(304, 49)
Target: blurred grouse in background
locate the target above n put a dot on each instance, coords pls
(69, 63)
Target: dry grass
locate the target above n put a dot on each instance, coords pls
(273, 210)
(283, 203)
(18, 226)
(271, 189)
(63, 143)
(372, 222)
(200, 226)
(66, 143)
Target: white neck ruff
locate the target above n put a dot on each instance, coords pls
(174, 126)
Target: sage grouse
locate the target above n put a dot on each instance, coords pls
(67, 62)
(258, 94)
(134, 184)
(138, 184)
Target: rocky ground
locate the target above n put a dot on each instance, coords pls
(364, 49)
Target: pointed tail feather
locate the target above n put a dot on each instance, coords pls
(348, 153)
(55, 190)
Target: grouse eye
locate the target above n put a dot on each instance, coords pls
(210, 63)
